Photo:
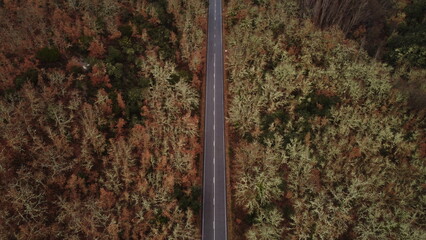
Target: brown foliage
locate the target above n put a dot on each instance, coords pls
(107, 199)
(7, 72)
(315, 179)
(65, 158)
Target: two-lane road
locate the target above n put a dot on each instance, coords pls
(214, 179)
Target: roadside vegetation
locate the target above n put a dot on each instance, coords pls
(99, 119)
(326, 141)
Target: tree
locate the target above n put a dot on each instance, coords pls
(319, 130)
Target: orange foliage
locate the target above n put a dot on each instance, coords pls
(292, 51)
(198, 58)
(86, 118)
(125, 220)
(107, 199)
(120, 124)
(423, 149)
(162, 164)
(360, 32)
(138, 134)
(27, 64)
(145, 111)
(316, 179)
(96, 49)
(154, 20)
(64, 24)
(146, 158)
(173, 37)
(355, 153)
(241, 14)
(189, 178)
(113, 230)
(106, 106)
(58, 179)
(114, 35)
(169, 182)
(87, 31)
(202, 22)
(120, 101)
(326, 92)
(98, 76)
(308, 139)
(73, 62)
(76, 185)
(7, 72)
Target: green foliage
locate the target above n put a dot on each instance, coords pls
(412, 54)
(251, 218)
(184, 75)
(123, 69)
(160, 36)
(30, 75)
(320, 123)
(267, 119)
(77, 69)
(162, 220)
(267, 226)
(408, 46)
(141, 22)
(84, 44)
(259, 2)
(126, 15)
(188, 200)
(134, 102)
(85, 163)
(316, 105)
(114, 55)
(48, 55)
(125, 30)
(160, 7)
(116, 71)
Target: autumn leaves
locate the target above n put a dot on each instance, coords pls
(105, 142)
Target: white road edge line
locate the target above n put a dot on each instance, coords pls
(223, 136)
(214, 144)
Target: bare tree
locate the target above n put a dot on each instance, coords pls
(347, 14)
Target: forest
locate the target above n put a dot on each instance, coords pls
(100, 119)
(327, 119)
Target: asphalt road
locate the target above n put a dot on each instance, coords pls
(214, 184)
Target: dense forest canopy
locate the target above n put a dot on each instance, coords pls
(326, 141)
(99, 118)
